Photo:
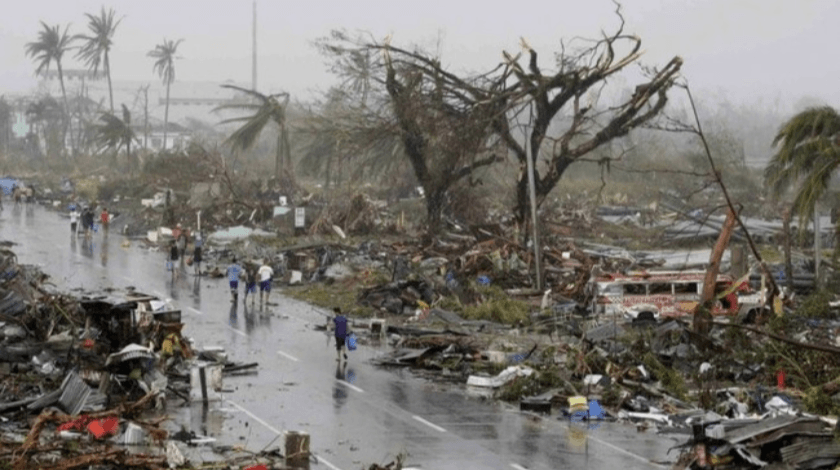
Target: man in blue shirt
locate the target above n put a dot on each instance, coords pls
(340, 322)
(233, 273)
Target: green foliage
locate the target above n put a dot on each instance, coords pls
(535, 384)
(498, 307)
(807, 158)
(329, 296)
(671, 379)
(816, 305)
(450, 303)
(818, 402)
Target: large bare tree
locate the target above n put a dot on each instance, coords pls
(444, 121)
(567, 98)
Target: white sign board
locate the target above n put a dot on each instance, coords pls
(300, 217)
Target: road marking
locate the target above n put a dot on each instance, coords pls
(289, 356)
(197, 312)
(325, 462)
(348, 384)
(128, 279)
(431, 425)
(517, 466)
(623, 451)
(237, 331)
(256, 418)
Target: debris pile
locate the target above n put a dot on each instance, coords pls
(80, 379)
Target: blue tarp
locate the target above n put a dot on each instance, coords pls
(6, 184)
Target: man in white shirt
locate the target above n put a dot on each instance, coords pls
(265, 274)
(74, 220)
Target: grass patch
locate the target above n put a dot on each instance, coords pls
(329, 296)
(671, 379)
(497, 307)
(535, 384)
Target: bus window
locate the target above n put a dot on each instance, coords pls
(660, 288)
(635, 289)
(685, 288)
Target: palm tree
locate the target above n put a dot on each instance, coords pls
(165, 67)
(114, 133)
(50, 47)
(808, 156)
(94, 52)
(266, 108)
(47, 119)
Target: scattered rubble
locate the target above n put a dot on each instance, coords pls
(82, 377)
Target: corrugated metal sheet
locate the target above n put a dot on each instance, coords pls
(74, 394)
(811, 453)
(765, 426)
(11, 304)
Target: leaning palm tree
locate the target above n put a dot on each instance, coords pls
(115, 133)
(266, 108)
(96, 48)
(164, 55)
(808, 156)
(50, 47)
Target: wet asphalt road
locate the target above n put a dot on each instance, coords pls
(356, 415)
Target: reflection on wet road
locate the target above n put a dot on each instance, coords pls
(356, 414)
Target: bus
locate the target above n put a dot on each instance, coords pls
(643, 295)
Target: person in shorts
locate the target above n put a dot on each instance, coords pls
(173, 258)
(197, 254)
(234, 271)
(340, 322)
(250, 277)
(74, 221)
(265, 274)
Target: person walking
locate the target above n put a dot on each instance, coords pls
(197, 254)
(87, 219)
(181, 240)
(266, 275)
(234, 272)
(173, 257)
(105, 219)
(74, 221)
(250, 277)
(340, 322)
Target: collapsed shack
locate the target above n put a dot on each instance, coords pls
(86, 381)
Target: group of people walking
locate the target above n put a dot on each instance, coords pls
(86, 216)
(250, 275)
(178, 249)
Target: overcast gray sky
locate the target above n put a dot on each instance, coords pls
(741, 49)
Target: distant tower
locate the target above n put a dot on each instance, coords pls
(254, 51)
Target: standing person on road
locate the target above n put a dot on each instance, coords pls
(266, 275)
(182, 241)
(250, 277)
(234, 271)
(197, 254)
(105, 218)
(74, 221)
(87, 222)
(340, 322)
(173, 257)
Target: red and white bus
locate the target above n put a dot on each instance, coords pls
(645, 295)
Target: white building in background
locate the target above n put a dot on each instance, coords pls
(177, 136)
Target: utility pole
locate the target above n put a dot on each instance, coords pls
(254, 50)
(817, 248)
(536, 241)
(146, 117)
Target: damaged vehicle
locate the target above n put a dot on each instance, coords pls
(650, 296)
